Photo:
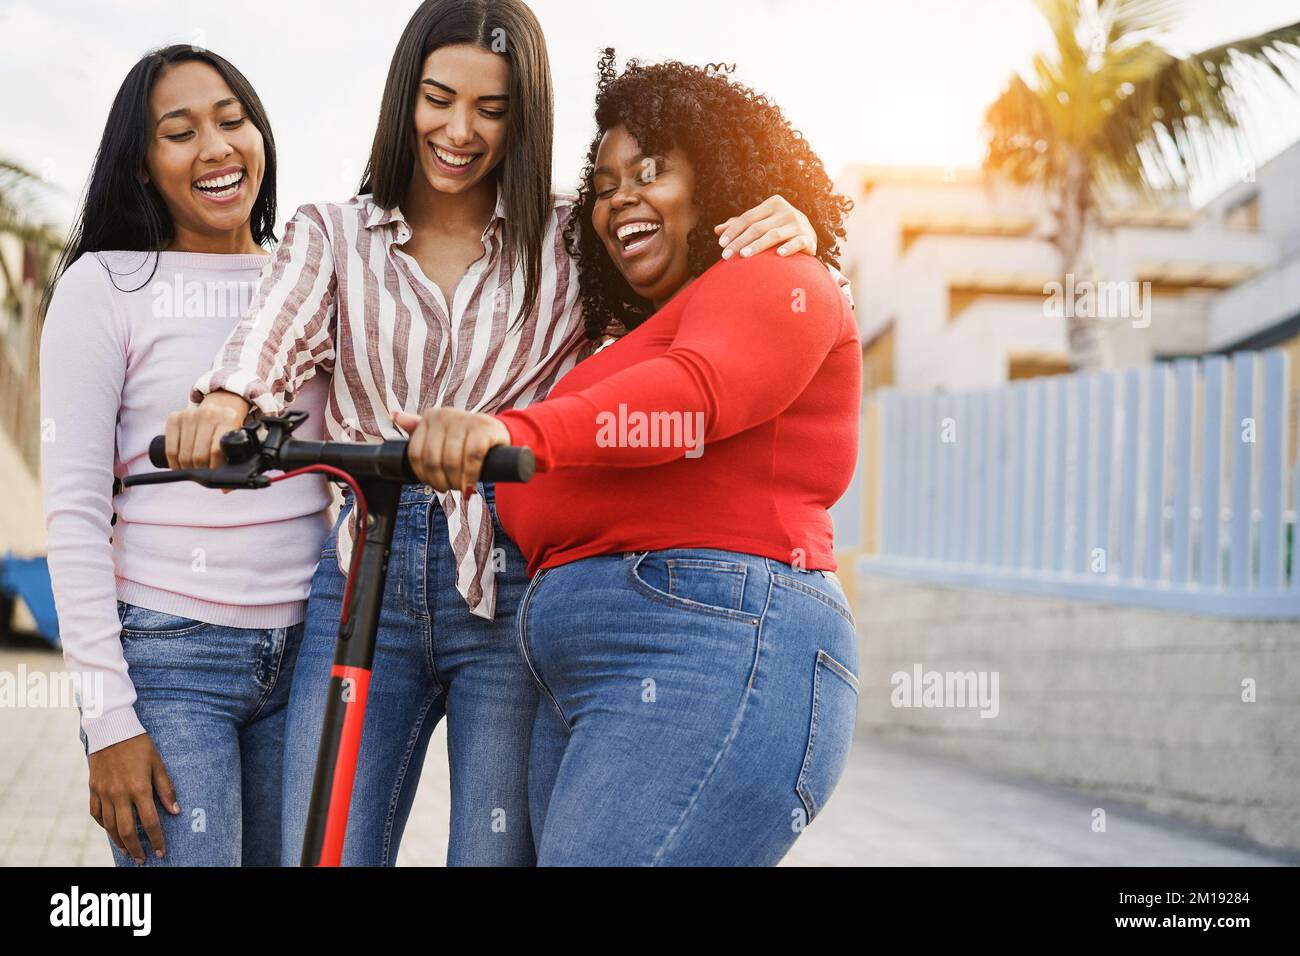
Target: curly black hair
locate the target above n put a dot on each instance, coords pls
(742, 148)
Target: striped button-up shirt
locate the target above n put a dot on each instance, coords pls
(340, 297)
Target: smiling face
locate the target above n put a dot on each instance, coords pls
(205, 157)
(460, 116)
(643, 212)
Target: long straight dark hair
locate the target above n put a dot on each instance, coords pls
(507, 27)
(121, 212)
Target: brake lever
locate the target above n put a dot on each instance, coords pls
(227, 476)
(246, 456)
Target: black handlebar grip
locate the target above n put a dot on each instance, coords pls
(508, 463)
(158, 451)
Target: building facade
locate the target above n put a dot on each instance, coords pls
(953, 275)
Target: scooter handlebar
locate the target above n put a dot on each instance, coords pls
(502, 463)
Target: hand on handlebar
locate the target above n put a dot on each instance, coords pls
(447, 446)
(194, 434)
(470, 448)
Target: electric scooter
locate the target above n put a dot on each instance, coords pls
(375, 472)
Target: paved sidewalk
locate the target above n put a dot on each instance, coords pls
(892, 808)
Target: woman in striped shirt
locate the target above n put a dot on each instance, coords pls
(445, 282)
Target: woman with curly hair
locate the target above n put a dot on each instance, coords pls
(695, 652)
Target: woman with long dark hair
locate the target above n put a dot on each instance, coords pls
(696, 655)
(181, 620)
(446, 281)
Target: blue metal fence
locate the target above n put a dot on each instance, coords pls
(1170, 486)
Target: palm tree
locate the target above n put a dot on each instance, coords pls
(1111, 108)
(17, 212)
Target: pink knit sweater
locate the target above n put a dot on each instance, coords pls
(114, 364)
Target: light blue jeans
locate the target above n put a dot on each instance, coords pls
(698, 706)
(432, 659)
(213, 700)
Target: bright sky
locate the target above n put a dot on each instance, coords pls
(867, 81)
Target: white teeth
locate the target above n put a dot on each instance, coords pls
(633, 227)
(451, 160)
(227, 180)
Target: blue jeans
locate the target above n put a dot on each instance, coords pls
(432, 658)
(212, 699)
(698, 706)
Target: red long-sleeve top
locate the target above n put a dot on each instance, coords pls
(758, 357)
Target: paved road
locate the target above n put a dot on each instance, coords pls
(893, 808)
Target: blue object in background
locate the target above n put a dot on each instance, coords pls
(28, 579)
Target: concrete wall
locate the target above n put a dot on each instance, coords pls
(1137, 706)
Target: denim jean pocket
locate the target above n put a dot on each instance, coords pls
(830, 732)
(706, 585)
(821, 586)
(139, 621)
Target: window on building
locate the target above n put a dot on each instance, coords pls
(1034, 365)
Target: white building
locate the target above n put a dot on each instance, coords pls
(950, 273)
(1264, 311)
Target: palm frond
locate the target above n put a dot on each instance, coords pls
(1275, 50)
(1019, 134)
(1147, 119)
(21, 209)
(1129, 22)
(1064, 17)
(1188, 113)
